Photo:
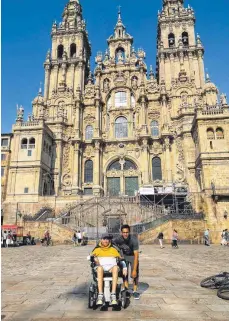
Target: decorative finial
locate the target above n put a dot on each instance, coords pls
(151, 75)
(119, 13)
(40, 90)
(207, 76)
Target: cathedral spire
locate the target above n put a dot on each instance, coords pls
(119, 28)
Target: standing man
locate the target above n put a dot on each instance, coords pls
(206, 237)
(129, 246)
(160, 239)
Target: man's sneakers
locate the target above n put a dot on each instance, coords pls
(114, 299)
(136, 295)
(100, 299)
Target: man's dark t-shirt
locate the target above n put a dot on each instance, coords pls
(127, 246)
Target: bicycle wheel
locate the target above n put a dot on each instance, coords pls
(215, 281)
(223, 292)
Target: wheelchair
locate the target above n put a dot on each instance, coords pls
(121, 293)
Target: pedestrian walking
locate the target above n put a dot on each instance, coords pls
(207, 237)
(223, 238)
(160, 239)
(4, 238)
(175, 239)
(79, 237)
(74, 239)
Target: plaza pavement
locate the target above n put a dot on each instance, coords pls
(51, 283)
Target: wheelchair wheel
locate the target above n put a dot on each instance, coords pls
(91, 300)
(123, 299)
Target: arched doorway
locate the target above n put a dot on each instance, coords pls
(122, 178)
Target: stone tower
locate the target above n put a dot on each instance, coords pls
(179, 51)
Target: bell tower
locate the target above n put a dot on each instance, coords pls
(178, 49)
(66, 66)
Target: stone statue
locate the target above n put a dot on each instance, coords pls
(20, 113)
(134, 83)
(106, 85)
(120, 56)
(223, 99)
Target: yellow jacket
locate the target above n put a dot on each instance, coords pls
(108, 251)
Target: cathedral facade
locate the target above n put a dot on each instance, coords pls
(124, 129)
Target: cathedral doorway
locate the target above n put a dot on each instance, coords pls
(122, 178)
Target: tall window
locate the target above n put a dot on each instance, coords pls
(154, 128)
(171, 40)
(120, 99)
(219, 133)
(24, 143)
(31, 143)
(121, 127)
(73, 50)
(3, 157)
(156, 165)
(88, 172)
(2, 171)
(210, 133)
(60, 51)
(89, 132)
(185, 39)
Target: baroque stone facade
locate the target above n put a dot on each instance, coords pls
(124, 128)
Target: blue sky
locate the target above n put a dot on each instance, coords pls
(26, 27)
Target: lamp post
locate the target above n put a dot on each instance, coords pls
(18, 213)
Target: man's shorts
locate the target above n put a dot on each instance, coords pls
(130, 262)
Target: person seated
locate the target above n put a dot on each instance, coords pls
(105, 258)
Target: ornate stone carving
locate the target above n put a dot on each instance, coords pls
(120, 79)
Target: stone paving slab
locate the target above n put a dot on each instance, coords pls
(53, 285)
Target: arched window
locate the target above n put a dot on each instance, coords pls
(156, 165)
(115, 166)
(210, 133)
(60, 51)
(154, 128)
(109, 103)
(89, 132)
(219, 133)
(121, 127)
(185, 39)
(88, 172)
(31, 143)
(120, 99)
(129, 165)
(171, 40)
(73, 50)
(24, 143)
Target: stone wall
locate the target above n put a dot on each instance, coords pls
(59, 233)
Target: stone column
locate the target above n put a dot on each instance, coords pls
(201, 68)
(56, 69)
(145, 162)
(76, 169)
(47, 81)
(96, 186)
(73, 76)
(167, 160)
(162, 66)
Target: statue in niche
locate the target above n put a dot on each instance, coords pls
(120, 57)
(106, 85)
(134, 83)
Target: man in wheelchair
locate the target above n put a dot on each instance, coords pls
(107, 259)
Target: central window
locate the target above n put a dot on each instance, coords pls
(121, 127)
(120, 99)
